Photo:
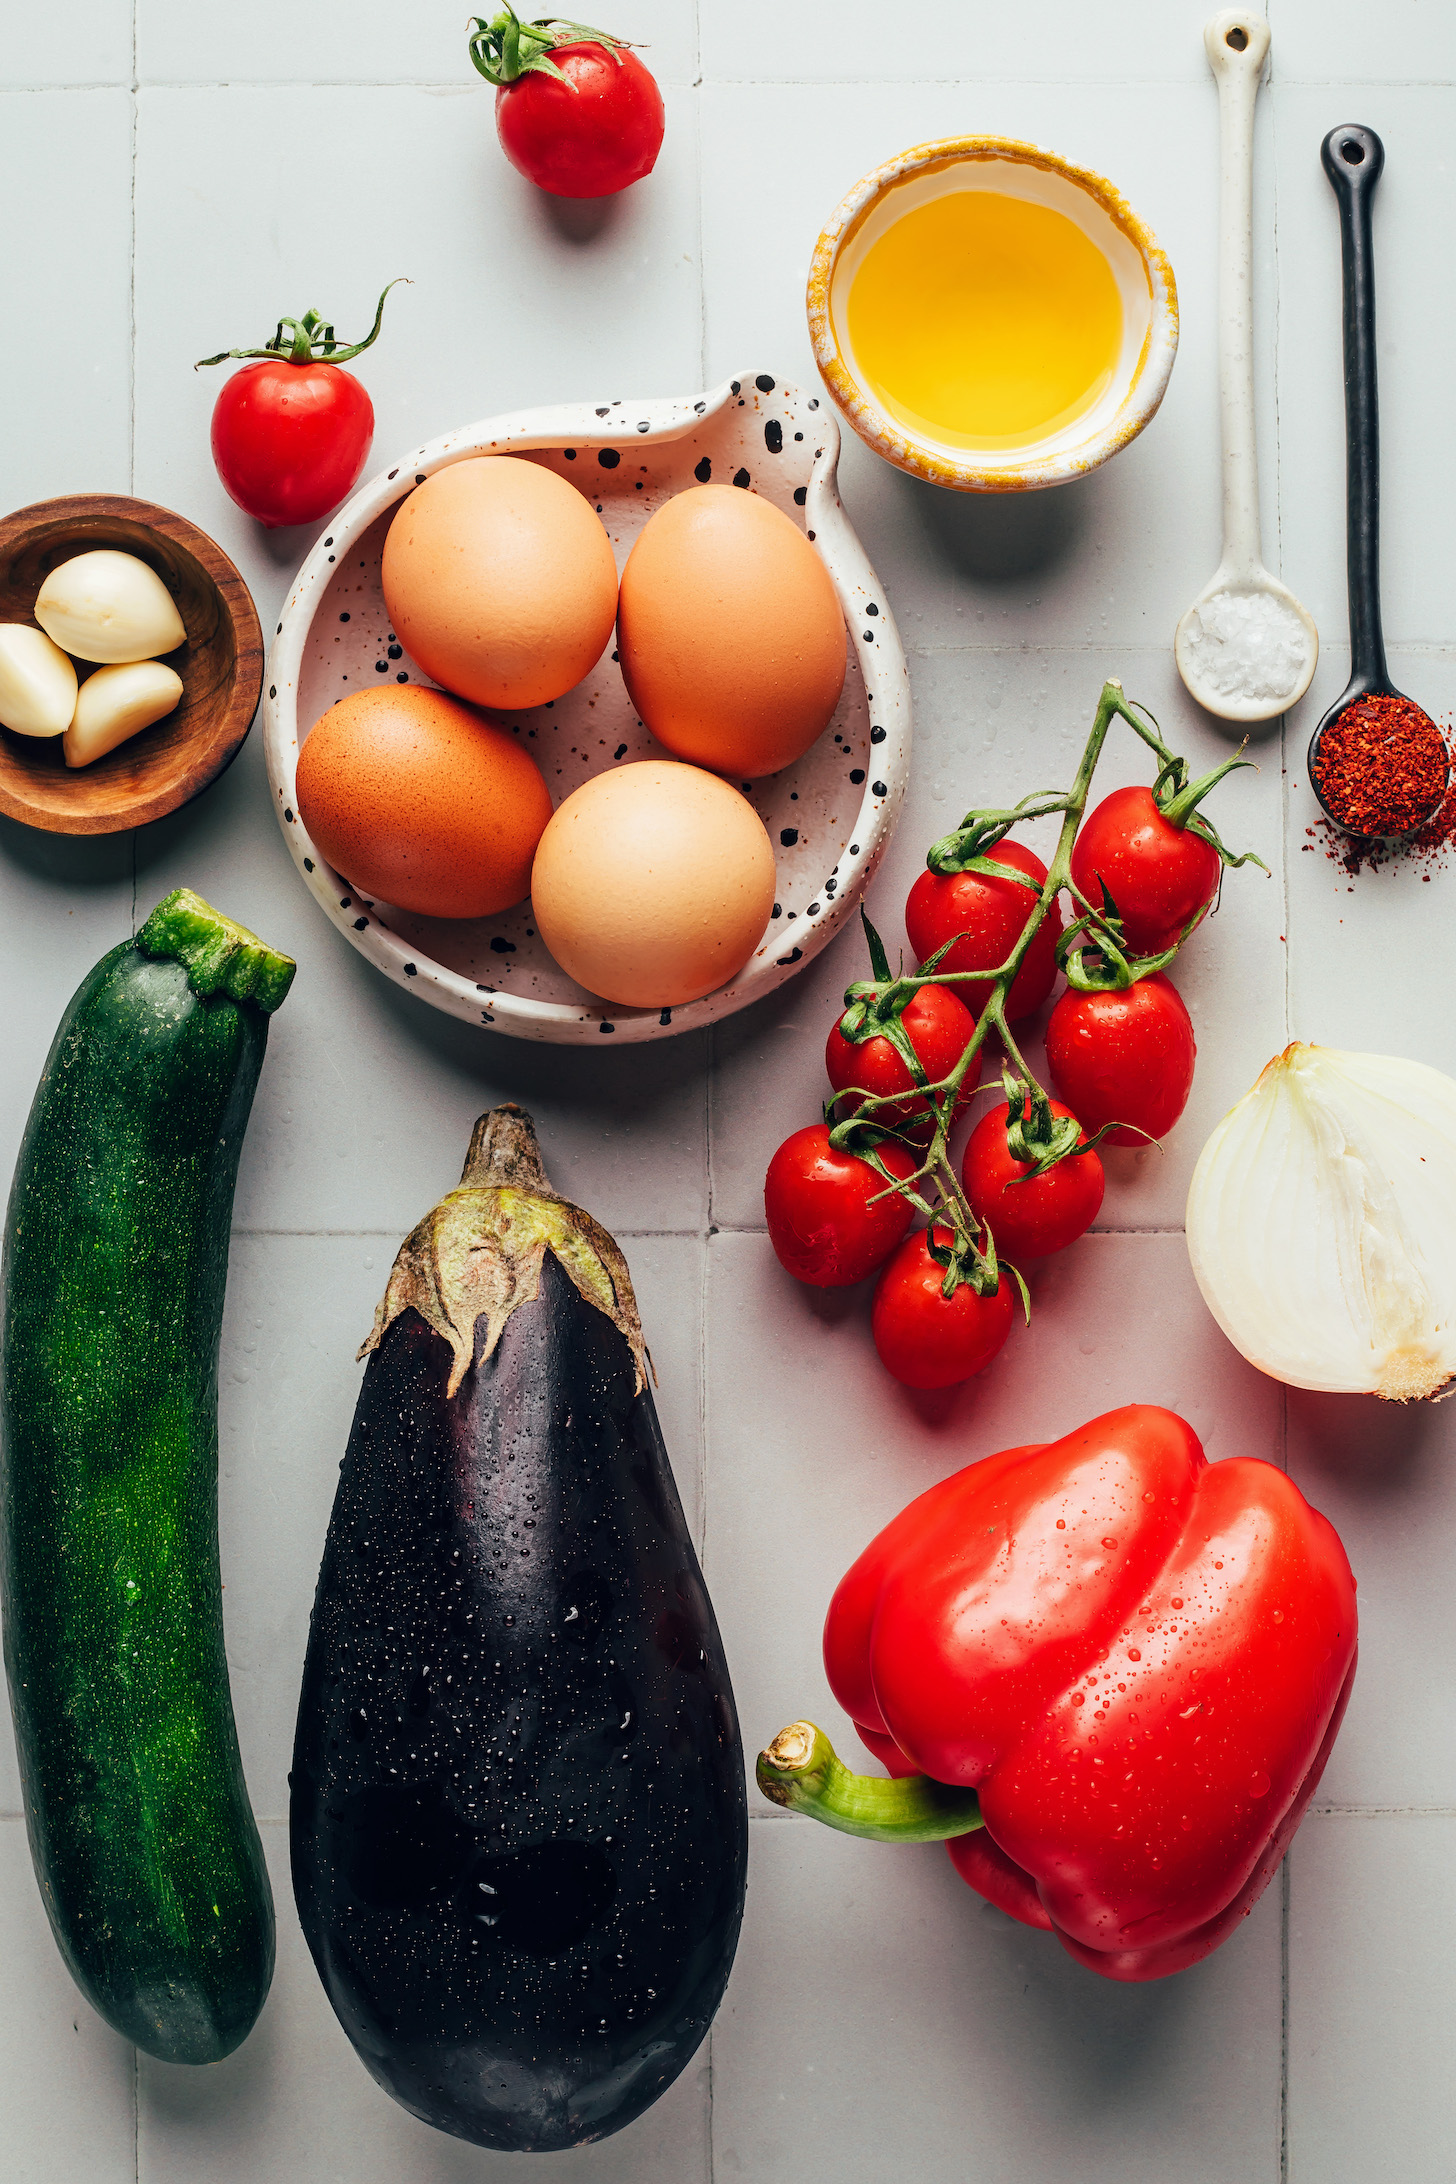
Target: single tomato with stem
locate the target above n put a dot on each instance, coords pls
(929, 1335)
(1161, 875)
(1030, 1209)
(1123, 1059)
(575, 110)
(834, 1217)
(291, 433)
(982, 912)
(904, 1037)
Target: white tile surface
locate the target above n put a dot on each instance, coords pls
(366, 41)
(89, 43)
(883, 2021)
(65, 365)
(69, 2109)
(275, 157)
(1371, 2022)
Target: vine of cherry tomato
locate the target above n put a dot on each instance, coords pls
(907, 1054)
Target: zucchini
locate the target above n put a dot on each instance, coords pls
(519, 1821)
(115, 1264)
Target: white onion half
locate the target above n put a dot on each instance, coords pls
(1322, 1224)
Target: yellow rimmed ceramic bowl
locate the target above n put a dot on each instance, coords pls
(1142, 274)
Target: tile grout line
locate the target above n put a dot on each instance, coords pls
(453, 85)
(136, 2060)
(1284, 1870)
(132, 347)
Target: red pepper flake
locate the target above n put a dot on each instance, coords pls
(1382, 766)
(1430, 845)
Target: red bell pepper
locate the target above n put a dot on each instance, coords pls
(1109, 1673)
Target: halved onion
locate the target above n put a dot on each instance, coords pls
(1322, 1224)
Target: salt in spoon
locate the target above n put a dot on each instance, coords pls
(1246, 648)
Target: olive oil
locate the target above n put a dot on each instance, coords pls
(985, 321)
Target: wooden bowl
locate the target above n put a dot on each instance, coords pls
(221, 666)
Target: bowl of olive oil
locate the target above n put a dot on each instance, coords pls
(990, 317)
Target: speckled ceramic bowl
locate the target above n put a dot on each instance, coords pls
(829, 817)
(1144, 280)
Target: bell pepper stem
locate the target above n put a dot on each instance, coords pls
(802, 1772)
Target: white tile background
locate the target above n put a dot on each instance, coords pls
(176, 175)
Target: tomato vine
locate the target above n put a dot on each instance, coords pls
(1094, 953)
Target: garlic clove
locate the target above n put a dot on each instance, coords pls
(37, 682)
(109, 606)
(1322, 1224)
(117, 702)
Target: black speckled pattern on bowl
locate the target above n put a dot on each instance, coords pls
(829, 817)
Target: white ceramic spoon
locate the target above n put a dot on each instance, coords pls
(1246, 648)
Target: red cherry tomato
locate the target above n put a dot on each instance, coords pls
(820, 1221)
(991, 913)
(1123, 1057)
(926, 1340)
(591, 136)
(939, 1028)
(1159, 876)
(290, 439)
(1028, 1220)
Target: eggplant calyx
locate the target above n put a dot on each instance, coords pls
(481, 1251)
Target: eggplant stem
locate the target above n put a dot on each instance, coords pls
(802, 1772)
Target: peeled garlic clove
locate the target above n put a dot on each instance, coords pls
(117, 702)
(109, 606)
(1322, 1224)
(37, 682)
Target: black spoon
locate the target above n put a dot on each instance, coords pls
(1353, 157)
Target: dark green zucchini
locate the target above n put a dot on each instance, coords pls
(518, 1818)
(115, 1264)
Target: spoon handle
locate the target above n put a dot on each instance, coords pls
(1353, 158)
(1236, 42)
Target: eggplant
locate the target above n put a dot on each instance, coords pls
(518, 1814)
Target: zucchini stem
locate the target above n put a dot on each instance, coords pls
(802, 1772)
(218, 955)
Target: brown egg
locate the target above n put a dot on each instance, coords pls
(730, 632)
(417, 799)
(653, 884)
(500, 581)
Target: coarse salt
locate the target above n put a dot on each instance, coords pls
(1249, 645)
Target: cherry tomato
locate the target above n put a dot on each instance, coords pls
(290, 439)
(991, 913)
(1123, 1057)
(591, 136)
(1159, 876)
(820, 1221)
(1028, 1220)
(939, 1028)
(926, 1340)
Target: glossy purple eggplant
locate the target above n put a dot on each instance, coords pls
(519, 1824)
